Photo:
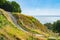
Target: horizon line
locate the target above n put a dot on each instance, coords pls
(46, 15)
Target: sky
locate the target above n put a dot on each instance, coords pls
(40, 7)
(49, 19)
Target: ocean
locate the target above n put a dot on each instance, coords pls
(47, 18)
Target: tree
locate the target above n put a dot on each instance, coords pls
(2, 2)
(48, 25)
(10, 6)
(56, 26)
(7, 6)
(15, 6)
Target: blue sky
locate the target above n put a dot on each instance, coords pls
(41, 7)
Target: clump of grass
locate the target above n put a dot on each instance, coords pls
(32, 38)
(3, 21)
(51, 39)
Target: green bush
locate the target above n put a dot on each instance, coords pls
(51, 39)
(32, 38)
(58, 39)
(10, 6)
(3, 21)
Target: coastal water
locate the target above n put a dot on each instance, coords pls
(47, 18)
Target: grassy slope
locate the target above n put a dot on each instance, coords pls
(8, 30)
(31, 24)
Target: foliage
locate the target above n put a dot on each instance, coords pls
(16, 7)
(7, 6)
(3, 21)
(32, 38)
(2, 2)
(56, 26)
(49, 25)
(51, 39)
(10, 6)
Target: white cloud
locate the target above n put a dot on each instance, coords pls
(47, 19)
(38, 12)
(41, 11)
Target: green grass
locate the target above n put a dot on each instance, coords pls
(3, 21)
(32, 38)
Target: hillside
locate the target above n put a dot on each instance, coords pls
(16, 26)
(30, 24)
